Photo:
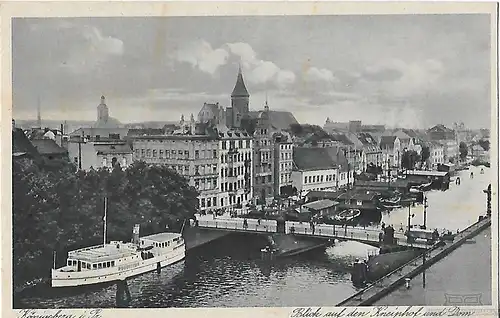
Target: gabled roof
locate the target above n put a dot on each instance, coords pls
(367, 139)
(312, 159)
(343, 139)
(22, 145)
(440, 128)
(48, 147)
(401, 134)
(279, 119)
(387, 141)
(240, 90)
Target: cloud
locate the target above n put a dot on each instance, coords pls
(201, 55)
(93, 48)
(323, 75)
(399, 79)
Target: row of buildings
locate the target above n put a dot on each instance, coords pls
(235, 156)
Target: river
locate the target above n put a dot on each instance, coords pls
(230, 273)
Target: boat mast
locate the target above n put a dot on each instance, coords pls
(105, 216)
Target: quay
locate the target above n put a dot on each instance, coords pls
(397, 277)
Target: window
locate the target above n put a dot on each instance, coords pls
(154, 153)
(202, 203)
(148, 152)
(99, 265)
(214, 152)
(161, 153)
(196, 154)
(94, 266)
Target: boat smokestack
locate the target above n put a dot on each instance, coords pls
(135, 234)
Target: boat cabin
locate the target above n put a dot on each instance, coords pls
(101, 256)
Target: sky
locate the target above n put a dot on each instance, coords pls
(410, 71)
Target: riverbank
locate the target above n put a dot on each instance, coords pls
(465, 272)
(397, 277)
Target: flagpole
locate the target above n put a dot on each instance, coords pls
(105, 216)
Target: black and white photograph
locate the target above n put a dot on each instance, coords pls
(253, 160)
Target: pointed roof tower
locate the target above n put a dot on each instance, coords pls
(240, 89)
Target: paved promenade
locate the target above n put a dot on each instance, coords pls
(395, 278)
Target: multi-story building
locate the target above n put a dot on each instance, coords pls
(94, 154)
(194, 156)
(436, 156)
(283, 164)
(391, 152)
(235, 159)
(372, 154)
(263, 158)
(320, 169)
(447, 137)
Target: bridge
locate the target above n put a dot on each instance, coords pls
(368, 235)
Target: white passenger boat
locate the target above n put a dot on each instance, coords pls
(115, 260)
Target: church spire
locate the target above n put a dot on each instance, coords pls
(39, 115)
(240, 89)
(266, 105)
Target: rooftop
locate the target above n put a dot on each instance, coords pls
(161, 237)
(48, 146)
(313, 159)
(426, 173)
(240, 90)
(112, 148)
(102, 253)
(387, 141)
(320, 205)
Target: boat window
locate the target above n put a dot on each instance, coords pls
(99, 265)
(112, 263)
(108, 264)
(94, 266)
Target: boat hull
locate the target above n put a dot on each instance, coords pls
(90, 277)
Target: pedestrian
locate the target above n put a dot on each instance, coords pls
(245, 224)
(383, 225)
(258, 221)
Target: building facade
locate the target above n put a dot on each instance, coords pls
(196, 157)
(263, 158)
(235, 159)
(283, 164)
(92, 154)
(320, 169)
(436, 156)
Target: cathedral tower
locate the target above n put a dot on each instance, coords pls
(239, 100)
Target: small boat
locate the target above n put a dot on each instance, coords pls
(391, 201)
(116, 260)
(347, 215)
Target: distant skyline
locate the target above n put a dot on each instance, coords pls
(410, 71)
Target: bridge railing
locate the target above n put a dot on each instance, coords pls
(334, 231)
(237, 224)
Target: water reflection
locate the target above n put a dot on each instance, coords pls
(230, 271)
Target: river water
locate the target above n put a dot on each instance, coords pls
(230, 273)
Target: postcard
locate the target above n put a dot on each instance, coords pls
(283, 159)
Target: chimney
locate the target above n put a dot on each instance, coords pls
(135, 234)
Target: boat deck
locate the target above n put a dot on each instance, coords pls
(102, 253)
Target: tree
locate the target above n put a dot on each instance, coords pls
(463, 149)
(425, 154)
(59, 210)
(409, 159)
(485, 144)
